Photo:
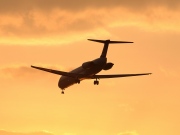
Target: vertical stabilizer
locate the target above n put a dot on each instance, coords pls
(105, 49)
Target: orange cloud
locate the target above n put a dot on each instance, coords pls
(167, 72)
(12, 6)
(128, 133)
(21, 72)
(3, 132)
(60, 27)
(57, 22)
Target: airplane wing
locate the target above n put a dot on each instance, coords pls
(58, 72)
(74, 75)
(117, 75)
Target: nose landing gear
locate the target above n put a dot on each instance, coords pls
(62, 92)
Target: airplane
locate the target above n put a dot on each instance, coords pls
(89, 69)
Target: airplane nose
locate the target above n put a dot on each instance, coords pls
(60, 84)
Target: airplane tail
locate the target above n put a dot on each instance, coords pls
(106, 44)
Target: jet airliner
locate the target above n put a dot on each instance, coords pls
(89, 69)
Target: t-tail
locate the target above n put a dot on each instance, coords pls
(106, 44)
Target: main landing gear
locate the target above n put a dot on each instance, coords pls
(96, 82)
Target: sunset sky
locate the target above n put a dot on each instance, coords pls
(54, 33)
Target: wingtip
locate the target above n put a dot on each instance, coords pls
(90, 39)
(33, 66)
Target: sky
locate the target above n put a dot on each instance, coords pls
(54, 33)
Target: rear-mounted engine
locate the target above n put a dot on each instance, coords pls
(108, 66)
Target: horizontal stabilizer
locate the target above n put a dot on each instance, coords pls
(109, 41)
(106, 44)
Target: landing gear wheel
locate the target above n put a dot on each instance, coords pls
(96, 82)
(62, 92)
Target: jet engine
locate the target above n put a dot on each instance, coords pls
(108, 66)
(88, 65)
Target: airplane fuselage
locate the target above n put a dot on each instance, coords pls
(66, 81)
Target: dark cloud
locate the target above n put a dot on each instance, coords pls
(49, 18)
(46, 5)
(3, 132)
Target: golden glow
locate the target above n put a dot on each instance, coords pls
(31, 102)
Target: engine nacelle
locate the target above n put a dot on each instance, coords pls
(88, 65)
(108, 66)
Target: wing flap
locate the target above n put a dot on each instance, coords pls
(118, 75)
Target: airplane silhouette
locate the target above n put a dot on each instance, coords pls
(89, 69)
